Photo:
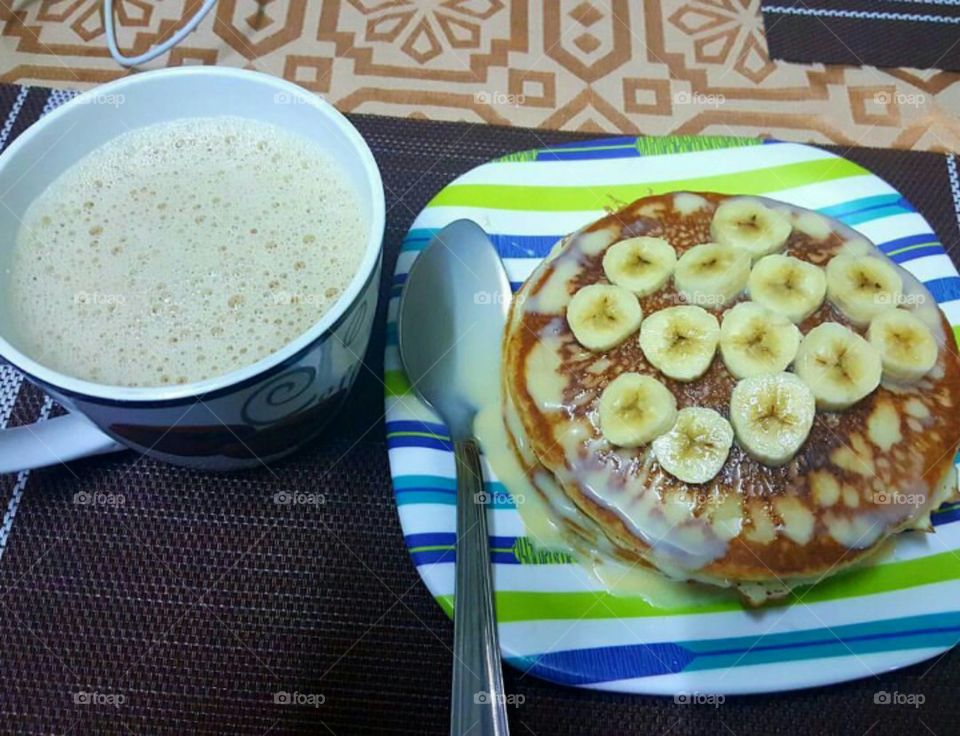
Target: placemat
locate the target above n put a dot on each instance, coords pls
(140, 598)
(922, 34)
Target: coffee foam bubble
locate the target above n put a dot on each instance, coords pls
(184, 250)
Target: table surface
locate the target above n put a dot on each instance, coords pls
(656, 67)
(188, 604)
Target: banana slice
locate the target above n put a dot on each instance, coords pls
(634, 409)
(787, 286)
(751, 225)
(838, 365)
(772, 416)
(603, 316)
(755, 341)
(710, 275)
(641, 265)
(862, 287)
(680, 341)
(696, 448)
(907, 347)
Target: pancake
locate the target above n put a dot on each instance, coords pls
(762, 523)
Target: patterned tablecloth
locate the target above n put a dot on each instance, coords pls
(138, 598)
(656, 67)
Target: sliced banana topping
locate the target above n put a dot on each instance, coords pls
(862, 287)
(696, 448)
(751, 225)
(772, 416)
(787, 286)
(680, 341)
(755, 341)
(838, 365)
(635, 409)
(907, 347)
(602, 316)
(710, 275)
(641, 265)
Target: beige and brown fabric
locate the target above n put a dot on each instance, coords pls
(617, 66)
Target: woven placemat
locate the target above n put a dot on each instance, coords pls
(923, 34)
(140, 598)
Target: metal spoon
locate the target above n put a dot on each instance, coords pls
(452, 315)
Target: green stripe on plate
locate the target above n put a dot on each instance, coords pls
(573, 198)
(428, 435)
(912, 247)
(396, 383)
(657, 146)
(956, 334)
(515, 606)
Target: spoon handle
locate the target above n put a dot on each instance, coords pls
(478, 704)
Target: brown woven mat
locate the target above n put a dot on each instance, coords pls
(184, 602)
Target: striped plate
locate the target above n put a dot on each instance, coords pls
(553, 622)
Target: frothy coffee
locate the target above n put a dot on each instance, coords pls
(182, 251)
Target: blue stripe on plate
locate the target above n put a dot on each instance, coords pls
(946, 516)
(498, 497)
(436, 539)
(945, 289)
(431, 443)
(858, 218)
(912, 255)
(445, 556)
(552, 154)
(889, 246)
(603, 664)
(404, 482)
(864, 203)
(401, 425)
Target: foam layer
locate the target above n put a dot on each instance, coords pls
(183, 250)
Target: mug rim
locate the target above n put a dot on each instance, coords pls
(108, 393)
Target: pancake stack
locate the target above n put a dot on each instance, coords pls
(732, 390)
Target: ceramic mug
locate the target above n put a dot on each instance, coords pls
(243, 418)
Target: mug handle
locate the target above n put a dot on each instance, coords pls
(52, 442)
